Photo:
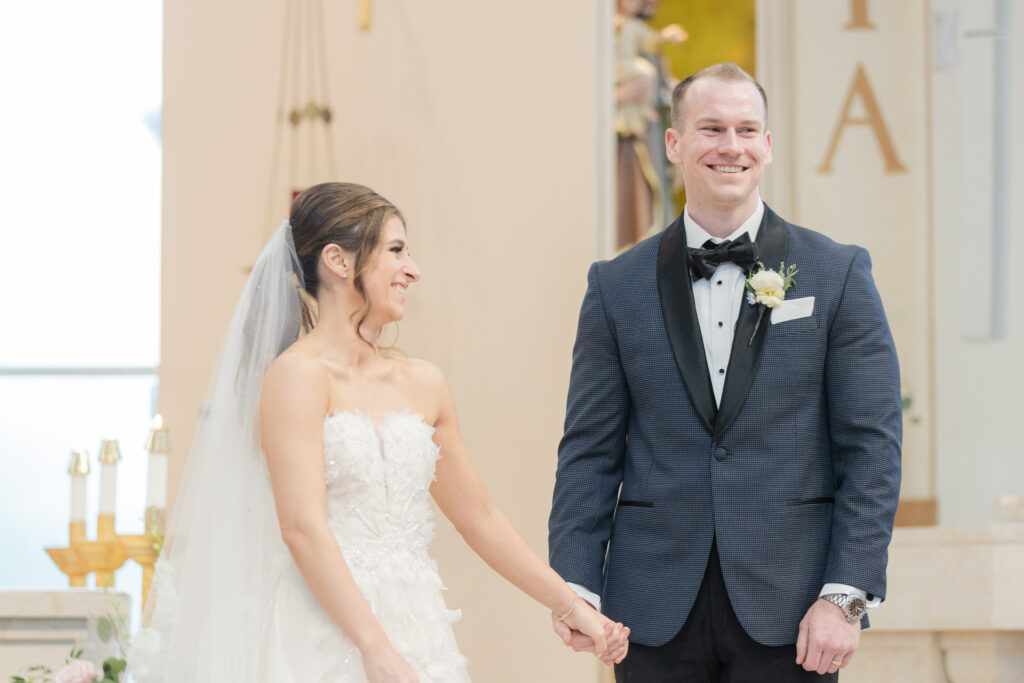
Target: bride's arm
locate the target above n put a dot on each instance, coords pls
(462, 496)
(292, 408)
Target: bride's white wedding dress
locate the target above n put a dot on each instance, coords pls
(227, 603)
(378, 474)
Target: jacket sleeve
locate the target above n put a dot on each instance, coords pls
(862, 387)
(592, 449)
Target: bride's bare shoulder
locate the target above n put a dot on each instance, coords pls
(426, 387)
(422, 374)
(296, 369)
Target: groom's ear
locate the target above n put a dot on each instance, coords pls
(671, 146)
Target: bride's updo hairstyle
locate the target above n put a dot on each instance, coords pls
(349, 215)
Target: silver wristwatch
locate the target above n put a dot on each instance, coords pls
(853, 606)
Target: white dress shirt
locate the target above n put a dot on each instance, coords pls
(719, 299)
(718, 302)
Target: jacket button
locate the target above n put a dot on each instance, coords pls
(721, 453)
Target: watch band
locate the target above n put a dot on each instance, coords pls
(853, 606)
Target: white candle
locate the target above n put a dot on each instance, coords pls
(156, 481)
(78, 498)
(109, 455)
(108, 488)
(78, 468)
(159, 446)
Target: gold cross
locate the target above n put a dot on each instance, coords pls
(365, 8)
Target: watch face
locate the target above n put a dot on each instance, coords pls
(856, 606)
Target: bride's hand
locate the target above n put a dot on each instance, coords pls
(610, 639)
(384, 665)
(618, 643)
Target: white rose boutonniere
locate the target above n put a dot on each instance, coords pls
(767, 288)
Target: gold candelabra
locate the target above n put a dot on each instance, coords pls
(110, 550)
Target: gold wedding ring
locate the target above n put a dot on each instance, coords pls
(837, 663)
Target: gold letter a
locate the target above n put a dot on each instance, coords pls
(862, 88)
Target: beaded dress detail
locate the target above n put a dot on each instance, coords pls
(378, 474)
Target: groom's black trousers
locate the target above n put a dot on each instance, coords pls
(712, 647)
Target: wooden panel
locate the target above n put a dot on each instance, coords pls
(918, 512)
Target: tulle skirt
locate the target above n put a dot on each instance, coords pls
(302, 645)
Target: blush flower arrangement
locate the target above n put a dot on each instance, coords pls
(112, 626)
(75, 670)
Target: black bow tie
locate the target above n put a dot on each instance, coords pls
(705, 260)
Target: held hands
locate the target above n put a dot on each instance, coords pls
(827, 641)
(585, 629)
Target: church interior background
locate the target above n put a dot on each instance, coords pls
(150, 147)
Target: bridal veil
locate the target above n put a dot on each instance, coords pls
(223, 552)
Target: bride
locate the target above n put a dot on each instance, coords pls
(297, 550)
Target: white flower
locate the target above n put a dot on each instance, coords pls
(79, 671)
(769, 288)
(146, 658)
(770, 300)
(766, 280)
(144, 655)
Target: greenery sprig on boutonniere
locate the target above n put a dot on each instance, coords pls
(767, 288)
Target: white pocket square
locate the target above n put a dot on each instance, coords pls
(792, 309)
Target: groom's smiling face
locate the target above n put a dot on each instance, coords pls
(721, 144)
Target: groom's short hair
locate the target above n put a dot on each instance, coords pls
(726, 71)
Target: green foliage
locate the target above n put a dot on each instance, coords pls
(37, 669)
(113, 667)
(787, 276)
(155, 524)
(908, 403)
(112, 670)
(114, 625)
(104, 629)
(111, 626)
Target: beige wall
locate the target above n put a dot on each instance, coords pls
(478, 120)
(833, 174)
(928, 227)
(930, 231)
(979, 378)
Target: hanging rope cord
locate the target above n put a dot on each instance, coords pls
(296, 52)
(301, 18)
(332, 167)
(275, 155)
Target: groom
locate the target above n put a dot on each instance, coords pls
(730, 467)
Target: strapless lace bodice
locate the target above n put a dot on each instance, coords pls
(378, 476)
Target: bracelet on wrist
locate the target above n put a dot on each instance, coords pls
(572, 606)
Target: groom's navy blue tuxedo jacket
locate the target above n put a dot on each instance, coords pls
(796, 473)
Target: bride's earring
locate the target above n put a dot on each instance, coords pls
(344, 274)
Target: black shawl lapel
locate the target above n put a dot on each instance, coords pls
(675, 287)
(772, 243)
